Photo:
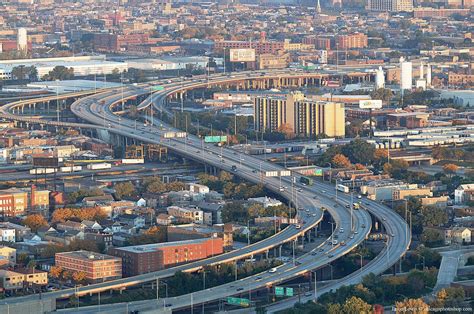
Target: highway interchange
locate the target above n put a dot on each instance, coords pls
(97, 110)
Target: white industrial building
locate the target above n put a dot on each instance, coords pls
(406, 74)
(82, 65)
(171, 63)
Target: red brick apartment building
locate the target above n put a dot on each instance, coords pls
(97, 267)
(141, 259)
(356, 40)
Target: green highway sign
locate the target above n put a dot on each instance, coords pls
(215, 139)
(238, 301)
(289, 292)
(279, 291)
(318, 172)
(158, 87)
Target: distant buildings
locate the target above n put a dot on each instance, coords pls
(15, 202)
(299, 115)
(97, 267)
(141, 259)
(390, 5)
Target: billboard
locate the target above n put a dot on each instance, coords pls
(242, 55)
(370, 104)
(47, 162)
(215, 139)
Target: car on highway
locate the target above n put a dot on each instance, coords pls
(321, 250)
(240, 289)
(363, 226)
(351, 237)
(384, 219)
(356, 232)
(272, 270)
(298, 226)
(343, 243)
(258, 278)
(313, 253)
(392, 234)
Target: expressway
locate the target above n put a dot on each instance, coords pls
(249, 168)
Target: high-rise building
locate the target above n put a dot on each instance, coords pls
(22, 40)
(379, 78)
(428, 75)
(406, 75)
(390, 5)
(305, 117)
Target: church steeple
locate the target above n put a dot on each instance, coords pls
(318, 8)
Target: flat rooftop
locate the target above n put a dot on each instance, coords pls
(156, 246)
(86, 255)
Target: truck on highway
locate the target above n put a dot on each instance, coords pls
(271, 173)
(133, 161)
(100, 166)
(342, 188)
(169, 134)
(356, 206)
(306, 180)
(70, 168)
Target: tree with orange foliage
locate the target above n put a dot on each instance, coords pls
(450, 169)
(360, 167)
(35, 221)
(286, 129)
(55, 271)
(86, 213)
(78, 276)
(341, 161)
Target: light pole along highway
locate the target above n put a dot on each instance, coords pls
(88, 109)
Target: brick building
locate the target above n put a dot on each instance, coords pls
(97, 267)
(352, 41)
(141, 259)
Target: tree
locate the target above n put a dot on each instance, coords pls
(341, 161)
(78, 276)
(383, 94)
(20, 72)
(286, 129)
(412, 306)
(450, 169)
(356, 305)
(125, 189)
(35, 222)
(434, 216)
(55, 271)
(359, 151)
(432, 238)
(59, 72)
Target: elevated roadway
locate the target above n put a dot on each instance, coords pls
(101, 115)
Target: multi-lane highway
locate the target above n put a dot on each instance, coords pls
(96, 110)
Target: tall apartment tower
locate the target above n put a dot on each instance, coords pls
(379, 78)
(406, 74)
(390, 5)
(304, 116)
(22, 40)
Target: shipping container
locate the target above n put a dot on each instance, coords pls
(99, 166)
(70, 168)
(133, 161)
(181, 134)
(43, 170)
